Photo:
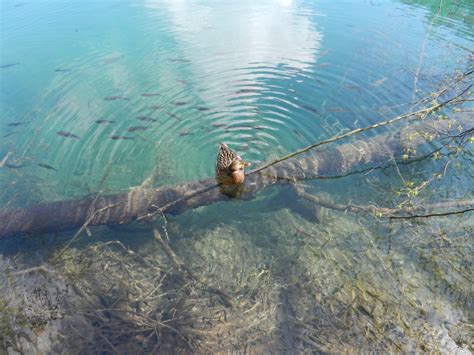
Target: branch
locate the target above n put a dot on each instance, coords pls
(180, 266)
(393, 213)
(420, 114)
(422, 50)
(84, 227)
(433, 214)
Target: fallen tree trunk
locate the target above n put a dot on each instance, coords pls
(142, 202)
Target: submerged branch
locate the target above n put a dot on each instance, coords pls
(83, 228)
(422, 113)
(143, 203)
(182, 268)
(467, 205)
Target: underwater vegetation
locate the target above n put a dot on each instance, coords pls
(350, 232)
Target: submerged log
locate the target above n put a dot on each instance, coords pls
(141, 202)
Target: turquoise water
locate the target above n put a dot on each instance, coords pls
(272, 77)
(148, 89)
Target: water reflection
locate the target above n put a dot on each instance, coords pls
(234, 54)
(143, 95)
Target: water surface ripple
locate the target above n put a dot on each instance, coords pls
(149, 84)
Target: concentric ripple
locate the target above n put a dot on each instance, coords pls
(147, 90)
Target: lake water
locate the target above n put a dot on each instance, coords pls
(102, 96)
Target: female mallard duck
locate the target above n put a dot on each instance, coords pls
(229, 166)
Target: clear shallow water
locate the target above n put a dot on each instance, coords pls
(267, 78)
(177, 78)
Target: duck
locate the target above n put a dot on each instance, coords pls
(230, 167)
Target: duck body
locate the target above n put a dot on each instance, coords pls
(229, 166)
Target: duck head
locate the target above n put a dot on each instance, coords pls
(237, 171)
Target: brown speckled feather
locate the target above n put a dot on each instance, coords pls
(226, 161)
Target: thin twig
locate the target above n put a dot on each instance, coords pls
(84, 227)
(429, 215)
(422, 50)
(182, 267)
(393, 213)
(420, 113)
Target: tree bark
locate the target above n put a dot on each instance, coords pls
(140, 202)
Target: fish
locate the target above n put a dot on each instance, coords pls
(180, 103)
(4, 66)
(155, 107)
(337, 109)
(354, 87)
(14, 124)
(310, 109)
(173, 115)
(298, 133)
(184, 133)
(146, 119)
(201, 108)
(104, 121)
(137, 128)
(184, 82)
(62, 70)
(67, 134)
(14, 166)
(10, 134)
(323, 53)
(246, 91)
(120, 137)
(112, 60)
(46, 166)
(150, 95)
(178, 60)
(113, 98)
(379, 82)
